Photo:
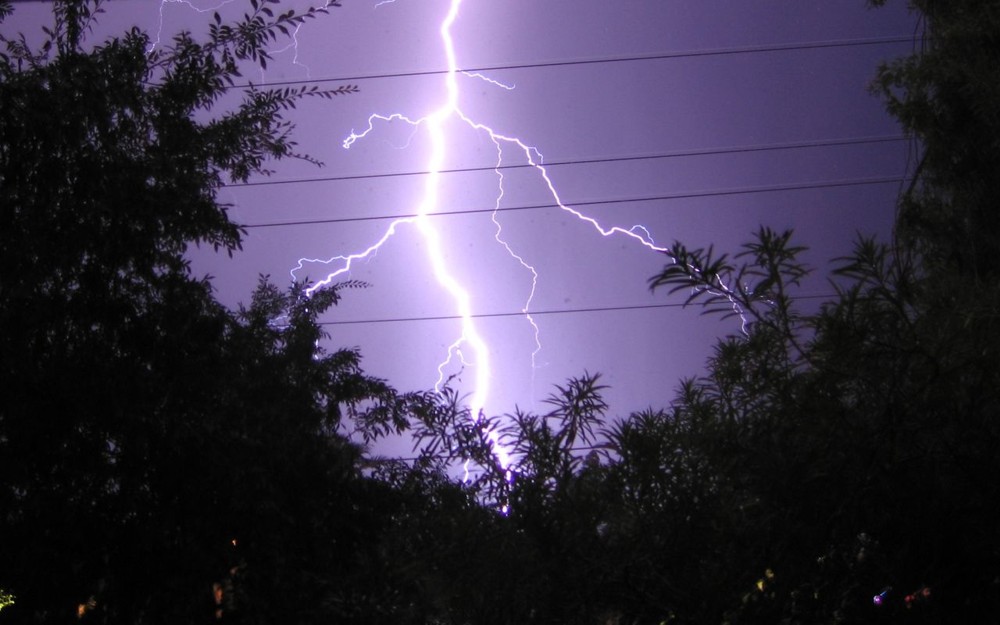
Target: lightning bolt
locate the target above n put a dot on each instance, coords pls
(469, 346)
(470, 339)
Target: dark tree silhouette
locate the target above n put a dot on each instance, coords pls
(865, 436)
(945, 96)
(157, 449)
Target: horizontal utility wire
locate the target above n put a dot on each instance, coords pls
(538, 313)
(855, 182)
(770, 147)
(637, 58)
(809, 45)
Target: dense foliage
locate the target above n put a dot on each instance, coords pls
(163, 459)
(153, 443)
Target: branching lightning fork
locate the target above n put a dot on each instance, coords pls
(470, 343)
(469, 347)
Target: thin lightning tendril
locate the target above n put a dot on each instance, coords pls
(492, 81)
(293, 45)
(159, 23)
(294, 35)
(494, 216)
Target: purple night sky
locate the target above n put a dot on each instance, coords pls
(684, 103)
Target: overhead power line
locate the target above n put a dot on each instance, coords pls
(786, 47)
(817, 143)
(649, 198)
(534, 313)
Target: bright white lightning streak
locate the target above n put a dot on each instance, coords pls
(428, 205)
(470, 336)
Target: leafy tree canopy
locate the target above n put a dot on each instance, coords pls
(153, 443)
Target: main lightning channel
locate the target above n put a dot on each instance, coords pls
(470, 342)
